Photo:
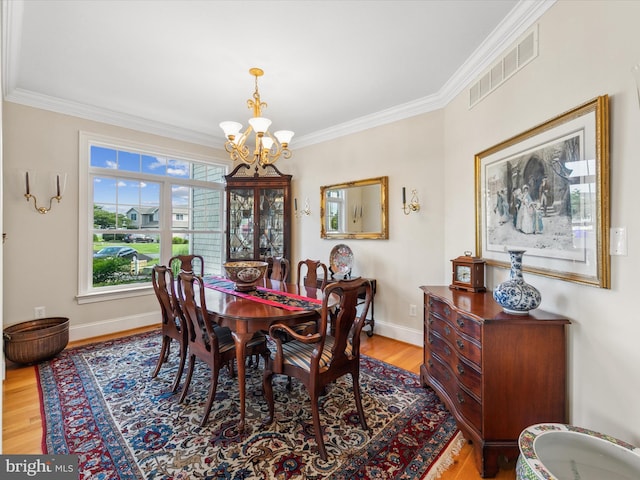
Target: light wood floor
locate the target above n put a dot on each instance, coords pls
(22, 427)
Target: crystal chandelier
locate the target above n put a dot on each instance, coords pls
(268, 148)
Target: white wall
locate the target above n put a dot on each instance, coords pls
(411, 154)
(586, 49)
(41, 251)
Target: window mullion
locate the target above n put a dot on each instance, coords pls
(166, 227)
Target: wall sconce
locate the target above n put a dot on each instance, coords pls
(357, 213)
(414, 205)
(306, 211)
(60, 181)
(636, 73)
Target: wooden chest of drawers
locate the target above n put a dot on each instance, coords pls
(497, 373)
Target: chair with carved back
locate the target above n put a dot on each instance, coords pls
(319, 359)
(207, 340)
(310, 277)
(278, 268)
(187, 263)
(173, 324)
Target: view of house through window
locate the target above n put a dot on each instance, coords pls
(147, 208)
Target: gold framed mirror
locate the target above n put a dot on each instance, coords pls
(356, 210)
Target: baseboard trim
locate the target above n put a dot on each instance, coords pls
(107, 327)
(398, 332)
(115, 325)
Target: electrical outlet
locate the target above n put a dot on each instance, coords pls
(412, 311)
(39, 312)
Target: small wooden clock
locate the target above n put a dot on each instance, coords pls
(468, 273)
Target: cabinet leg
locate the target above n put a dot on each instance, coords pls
(489, 458)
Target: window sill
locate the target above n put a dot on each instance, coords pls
(114, 295)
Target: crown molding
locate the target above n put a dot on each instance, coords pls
(521, 17)
(103, 115)
(12, 13)
(516, 24)
(383, 117)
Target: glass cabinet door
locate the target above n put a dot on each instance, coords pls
(258, 214)
(241, 224)
(271, 222)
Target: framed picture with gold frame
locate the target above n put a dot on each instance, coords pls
(546, 191)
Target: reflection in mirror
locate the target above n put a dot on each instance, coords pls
(355, 209)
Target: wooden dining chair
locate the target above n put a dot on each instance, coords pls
(308, 274)
(187, 263)
(278, 268)
(207, 340)
(173, 324)
(319, 359)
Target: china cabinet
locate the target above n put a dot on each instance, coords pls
(258, 214)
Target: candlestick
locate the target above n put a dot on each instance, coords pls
(404, 196)
(29, 196)
(295, 204)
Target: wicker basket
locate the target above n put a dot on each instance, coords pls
(36, 340)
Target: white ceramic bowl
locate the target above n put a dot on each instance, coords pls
(245, 274)
(557, 451)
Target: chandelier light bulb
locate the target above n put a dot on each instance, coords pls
(260, 125)
(284, 136)
(231, 129)
(267, 142)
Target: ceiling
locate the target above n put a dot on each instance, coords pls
(179, 68)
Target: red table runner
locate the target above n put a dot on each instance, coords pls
(276, 298)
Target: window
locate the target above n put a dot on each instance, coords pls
(140, 206)
(335, 205)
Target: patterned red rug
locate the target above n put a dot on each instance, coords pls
(100, 403)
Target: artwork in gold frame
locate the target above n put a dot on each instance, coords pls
(546, 191)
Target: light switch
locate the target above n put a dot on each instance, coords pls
(618, 241)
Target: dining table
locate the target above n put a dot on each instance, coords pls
(246, 313)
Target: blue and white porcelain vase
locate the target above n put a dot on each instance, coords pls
(515, 295)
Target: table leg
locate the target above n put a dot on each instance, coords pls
(371, 321)
(241, 340)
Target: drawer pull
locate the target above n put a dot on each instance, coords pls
(447, 330)
(431, 302)
(447, 350)
(430, 339)
(460, 344)
(460, 369)
(447, 375)
(460, 398)
(447, 311)
(460, 322)
(430, 362)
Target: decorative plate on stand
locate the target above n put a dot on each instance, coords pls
(341, 260)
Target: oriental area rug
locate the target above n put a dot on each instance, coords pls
(99, 402)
